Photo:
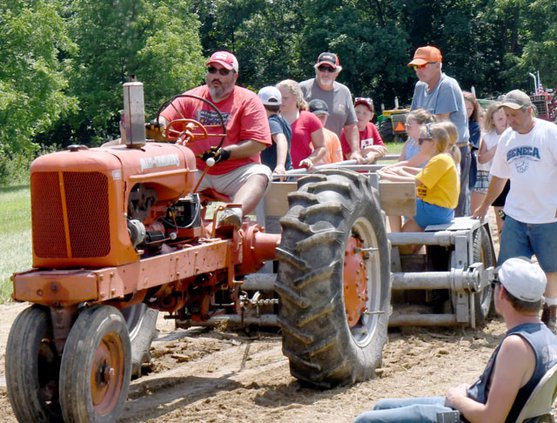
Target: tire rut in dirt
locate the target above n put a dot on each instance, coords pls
(329, 210)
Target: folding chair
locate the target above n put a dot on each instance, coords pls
(540, 402)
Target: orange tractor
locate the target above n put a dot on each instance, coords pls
(119, 233)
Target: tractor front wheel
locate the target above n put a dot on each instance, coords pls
(33, 367)
(96, 367)
(333, 279)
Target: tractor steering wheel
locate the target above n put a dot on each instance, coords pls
(185, 130)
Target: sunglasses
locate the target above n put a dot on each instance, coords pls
(421, 140)
(221, 71)
(416, 67)
(324, 68)
(494, 283)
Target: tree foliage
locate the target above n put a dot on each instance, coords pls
(64, 61)
(155, 41)
(34, 45)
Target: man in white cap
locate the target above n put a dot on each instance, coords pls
(338, 98)
(526, 353)
(527, 156)
(238, 172)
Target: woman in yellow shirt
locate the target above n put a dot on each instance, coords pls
(437, 184)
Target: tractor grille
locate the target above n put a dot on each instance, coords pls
(83, 196)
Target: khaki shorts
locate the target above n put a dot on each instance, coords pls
(231, 182)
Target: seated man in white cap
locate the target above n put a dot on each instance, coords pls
(526, 353)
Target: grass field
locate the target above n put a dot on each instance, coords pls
(15, 227)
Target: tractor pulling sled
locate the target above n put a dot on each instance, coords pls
(120, 233)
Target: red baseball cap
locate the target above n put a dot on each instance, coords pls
(226, 59)
(366, 101)
(427, 54)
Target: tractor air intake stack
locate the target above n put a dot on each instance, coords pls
(132, 125)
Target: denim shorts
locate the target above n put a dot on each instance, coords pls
(430, 214)
(527, 239)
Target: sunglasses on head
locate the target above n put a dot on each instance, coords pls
(416, 67)
(325, 68)
(221, 71)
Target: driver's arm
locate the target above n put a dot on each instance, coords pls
(244, 149)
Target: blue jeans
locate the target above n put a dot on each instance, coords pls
(408, 410)
(463, 207)
(525, 239)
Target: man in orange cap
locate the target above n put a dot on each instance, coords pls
(441, 96)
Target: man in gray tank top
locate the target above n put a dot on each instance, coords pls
(526, 353)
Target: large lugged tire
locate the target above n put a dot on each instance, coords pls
(333, 279)
(142, 327)
(96, 367)
(33, 367)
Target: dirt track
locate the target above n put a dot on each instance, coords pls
(210, 376)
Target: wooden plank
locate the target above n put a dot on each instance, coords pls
(398, 198)
(276, 198)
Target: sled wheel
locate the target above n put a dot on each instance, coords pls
(483, 253)
(95, 369)
(333, 279)
(142, 328)
(32, 367)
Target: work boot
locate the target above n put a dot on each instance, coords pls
(549, 317)
(230, 217)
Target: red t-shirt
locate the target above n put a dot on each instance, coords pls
(302, 128)
(369, 136)
(244, 116)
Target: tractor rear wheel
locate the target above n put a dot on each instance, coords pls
(96, 368)
(333, 279)
(142, 327)
(33, 367)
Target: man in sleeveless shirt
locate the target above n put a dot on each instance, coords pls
(527, 351)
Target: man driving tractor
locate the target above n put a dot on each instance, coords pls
(237, 171)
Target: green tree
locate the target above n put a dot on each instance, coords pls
(155, 41)
(33, 45)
